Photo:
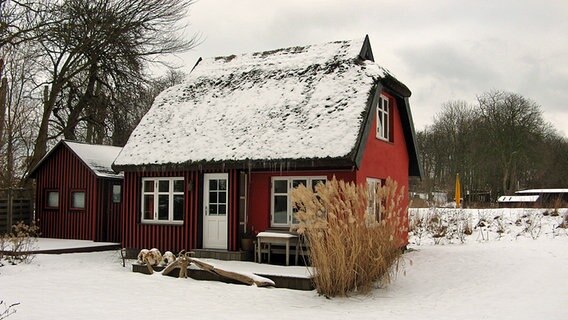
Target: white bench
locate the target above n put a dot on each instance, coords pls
(268, 238)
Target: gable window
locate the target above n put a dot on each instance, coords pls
(52, 199)
(282, 209)
(163, 200)
(383, 119)
(373, 205)
(78, 200)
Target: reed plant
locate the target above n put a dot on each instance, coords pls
(351, 247)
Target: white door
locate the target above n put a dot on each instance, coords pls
(215, 209)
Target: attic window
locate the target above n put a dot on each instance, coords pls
(383, 119)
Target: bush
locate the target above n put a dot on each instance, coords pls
(20, 242)
(349, 249)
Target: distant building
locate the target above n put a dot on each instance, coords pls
(535, 198)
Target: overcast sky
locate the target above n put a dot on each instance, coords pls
(441, 49)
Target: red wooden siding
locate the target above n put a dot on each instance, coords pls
(64, 172)
(383, 159)
(174, 237)
(259, 192)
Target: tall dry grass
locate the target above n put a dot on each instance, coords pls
(349, 249)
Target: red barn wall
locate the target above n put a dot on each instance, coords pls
(382, 159)
(259, 192)
(64, 172)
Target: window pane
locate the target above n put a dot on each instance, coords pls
(280, 186)
(163, 207)
(212, 209)
(222, 184)
(281, 209)
(53, 199)
(116, 193)
(178, 207)
(315, 182)
(148, 207)
(212, 197)
(222, 197)
(222, 209)
(163, 186)
(178, 185)
(78, 200)
(212, 184)
(148, 186)
(297, 183)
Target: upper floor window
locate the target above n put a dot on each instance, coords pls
(383, 118)
(163, 200)
(282, 208)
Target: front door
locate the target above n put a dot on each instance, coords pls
(215, 209)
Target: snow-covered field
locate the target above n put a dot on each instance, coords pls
(506, 277)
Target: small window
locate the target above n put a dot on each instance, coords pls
(383, 119)
(116, 193)
(78, 200)
(52, 199)
(373, 206)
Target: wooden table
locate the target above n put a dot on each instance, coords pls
(269, 238)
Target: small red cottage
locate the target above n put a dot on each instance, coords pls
(222, 151)
(78, 195)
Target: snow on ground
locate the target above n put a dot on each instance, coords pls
(509, 278)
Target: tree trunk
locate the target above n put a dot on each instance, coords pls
(3, 94)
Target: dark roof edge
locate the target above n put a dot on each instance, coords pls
(415, 165)
(361, 143)
(247, 164)
(31, 175)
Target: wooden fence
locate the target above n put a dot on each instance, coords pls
(15, 205)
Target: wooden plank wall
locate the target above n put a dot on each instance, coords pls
(64, 172)
(187, 236)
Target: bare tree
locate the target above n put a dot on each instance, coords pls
(514, 126)
(98, 45)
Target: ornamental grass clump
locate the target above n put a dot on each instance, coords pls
(350, 248)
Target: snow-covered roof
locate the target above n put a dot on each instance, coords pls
(98, 158)
(542, 191)
(294, 103)
(517, 199)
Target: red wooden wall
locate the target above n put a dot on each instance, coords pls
(259, 192)
(383, 159)
(174, 238)
(64, 172)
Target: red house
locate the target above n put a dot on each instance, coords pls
(221, 152)
(78, 195)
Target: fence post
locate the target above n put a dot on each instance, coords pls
(10, 211)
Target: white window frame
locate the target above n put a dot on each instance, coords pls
(156, 193)
(383, 118)
(289, 209)
(372, 207)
